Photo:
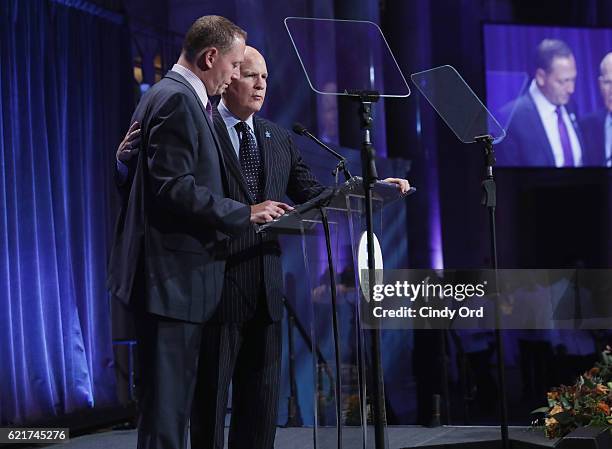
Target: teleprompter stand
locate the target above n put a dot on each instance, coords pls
(469, 119)
(327, 52)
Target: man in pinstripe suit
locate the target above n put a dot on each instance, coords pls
(244, 335)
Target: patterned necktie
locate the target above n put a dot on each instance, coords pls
(568, 156)
(209, 110)
(250, 161)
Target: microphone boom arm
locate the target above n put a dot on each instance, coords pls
(342, 162)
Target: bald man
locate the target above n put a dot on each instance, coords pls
(598, 126)
(244, 335)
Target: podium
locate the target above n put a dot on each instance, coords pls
(331, 229)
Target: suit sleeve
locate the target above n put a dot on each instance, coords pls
(172, 151)
(124, 171)
(507, 150)
(303, 185)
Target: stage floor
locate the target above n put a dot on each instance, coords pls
(400, 437)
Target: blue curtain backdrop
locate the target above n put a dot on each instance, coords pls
(65, 98)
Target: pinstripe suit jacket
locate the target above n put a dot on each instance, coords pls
(253, 267)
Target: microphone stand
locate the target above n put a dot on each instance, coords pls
(299, 129)
(340, 167)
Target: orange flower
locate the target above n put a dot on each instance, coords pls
(599, 388)
(556, 409)
(594, 371)
(552, 395)
(551, 427)
(550, 422)
(603, 407)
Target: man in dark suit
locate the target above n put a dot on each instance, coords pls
(543, 130)
(167, 261)
(597, 127)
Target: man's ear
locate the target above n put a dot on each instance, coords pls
(206, 58)
(540, 76)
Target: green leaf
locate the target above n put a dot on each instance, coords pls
(540, 410)
(563, 417)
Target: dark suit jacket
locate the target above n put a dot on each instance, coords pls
(253, 266)
(171, 241)
(526, 143)
(593, 128)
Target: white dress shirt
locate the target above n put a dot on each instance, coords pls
(230, 122)
(548, 115)
(194, 81)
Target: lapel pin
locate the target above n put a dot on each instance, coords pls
(268, 135)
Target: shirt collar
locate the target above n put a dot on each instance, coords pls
(540, 100)
(230, 119)
(194, 81)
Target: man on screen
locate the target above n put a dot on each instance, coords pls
(598, 126)
(543, 130)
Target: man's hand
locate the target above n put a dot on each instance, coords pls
(403, 184)
(128, 147)
(268, 211)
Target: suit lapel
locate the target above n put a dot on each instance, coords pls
(232, 162)
(178, 78)
(264, 137)
(572, 116)
(542, 137)
(602, 136)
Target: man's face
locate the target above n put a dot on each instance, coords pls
(558, 83)
(225, 68)
(605, 84)
(246, 95)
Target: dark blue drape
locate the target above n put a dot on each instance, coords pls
(63, 98)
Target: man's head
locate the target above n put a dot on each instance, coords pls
(246, 95)
(555, 71)
(605, 80)
(214, 49)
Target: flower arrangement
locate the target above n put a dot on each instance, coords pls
(586, 403)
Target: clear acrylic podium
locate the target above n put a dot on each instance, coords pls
(345, 384)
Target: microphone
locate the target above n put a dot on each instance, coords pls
(301, 130)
